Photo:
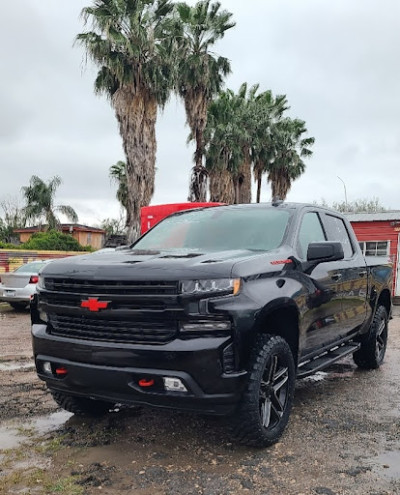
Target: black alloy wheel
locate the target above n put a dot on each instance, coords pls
(274, 391)
(373, 347)
(264, 410)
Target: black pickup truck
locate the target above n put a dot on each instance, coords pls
(214, 310)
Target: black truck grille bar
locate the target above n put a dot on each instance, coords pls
(111, 330)
(110, 287)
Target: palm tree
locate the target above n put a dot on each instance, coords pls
(244, 104)
(133, 42)
(237, 134)
(200, 75)
(265, 111)
(289, 149)
(118, 175)
(223, 151)
(39, 198)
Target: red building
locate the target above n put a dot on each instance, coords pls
(378, 235)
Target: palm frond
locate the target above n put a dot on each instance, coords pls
(68, 211)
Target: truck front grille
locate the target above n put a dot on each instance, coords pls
(81, 327)
(136, 311)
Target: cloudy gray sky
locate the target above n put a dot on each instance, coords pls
(337, 62)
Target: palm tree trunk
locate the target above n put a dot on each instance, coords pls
(243, 179)
(198, 185)
(280, 183)
(196, 106)
(222, 189)
(137, 116)
(258, 168)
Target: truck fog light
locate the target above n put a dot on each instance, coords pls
(174, 385)
(46, 367)
(43, 316)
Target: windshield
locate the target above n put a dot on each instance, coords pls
(219, 229)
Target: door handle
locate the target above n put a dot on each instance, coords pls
(336, 277)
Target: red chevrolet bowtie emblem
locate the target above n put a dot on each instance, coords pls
(93, 304)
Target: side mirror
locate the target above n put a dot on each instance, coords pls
(322, 252)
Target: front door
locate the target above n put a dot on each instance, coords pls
(323, 305)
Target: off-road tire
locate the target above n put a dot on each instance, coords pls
(264, 409)
(81, 406)
(373, 347)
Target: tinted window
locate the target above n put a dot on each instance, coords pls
(337, 232)
(219, 229)
(310, 231)
(30, 267)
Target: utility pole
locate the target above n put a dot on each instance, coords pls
(345, 193)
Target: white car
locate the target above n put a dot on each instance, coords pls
(18, 287)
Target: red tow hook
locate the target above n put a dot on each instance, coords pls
(144, 382)
(61, 371)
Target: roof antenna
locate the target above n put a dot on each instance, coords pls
(276, 201)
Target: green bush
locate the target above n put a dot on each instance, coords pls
(7, 245)
(53, 241)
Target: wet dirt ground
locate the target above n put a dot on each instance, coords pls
(343, 437)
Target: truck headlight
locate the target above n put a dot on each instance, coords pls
(205, 326)
(40, 283)
(211, 286)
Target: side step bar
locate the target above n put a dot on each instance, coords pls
(320, 362)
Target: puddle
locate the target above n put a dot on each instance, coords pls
(388, 465)
(49, 423)
(14, 366)
(316, 377)
(11, 436)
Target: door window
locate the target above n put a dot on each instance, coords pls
(310, 231)
(337, 231)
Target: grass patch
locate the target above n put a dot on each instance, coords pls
(67, 486)
(40, 482)
(52, 446)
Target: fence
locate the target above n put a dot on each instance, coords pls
(10, 259)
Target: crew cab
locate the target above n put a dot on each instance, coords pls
(214, 310)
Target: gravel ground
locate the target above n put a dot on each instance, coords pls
(343, 438)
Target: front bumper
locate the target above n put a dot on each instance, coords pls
(112, 372)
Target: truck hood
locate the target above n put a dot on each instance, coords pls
(163, 265)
